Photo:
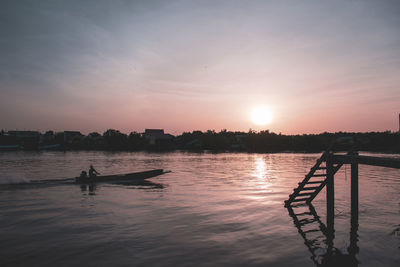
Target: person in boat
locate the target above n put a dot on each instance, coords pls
(83, 174)
(92, 172)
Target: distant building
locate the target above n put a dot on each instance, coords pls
(155, 136)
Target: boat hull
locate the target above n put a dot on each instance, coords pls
(128, 177)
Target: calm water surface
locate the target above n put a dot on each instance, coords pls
(211, 210)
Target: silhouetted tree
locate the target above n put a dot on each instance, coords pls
(136, 141)
(94, 135)
(251, 141)
(94, 141)
(115, 140)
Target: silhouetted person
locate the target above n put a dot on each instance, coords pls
(92, 172)
(83, 174)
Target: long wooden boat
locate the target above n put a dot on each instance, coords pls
(128, 177)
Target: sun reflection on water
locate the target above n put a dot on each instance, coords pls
(260, 168)
(261, 178)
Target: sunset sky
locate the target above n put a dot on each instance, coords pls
(195, 65)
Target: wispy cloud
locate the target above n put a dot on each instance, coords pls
(127, 63)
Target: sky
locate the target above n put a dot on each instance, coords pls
(316, 66)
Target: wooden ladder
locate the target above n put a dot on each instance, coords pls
(312, 183)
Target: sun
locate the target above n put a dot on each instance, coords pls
(261, 116)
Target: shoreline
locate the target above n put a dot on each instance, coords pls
(205, 151)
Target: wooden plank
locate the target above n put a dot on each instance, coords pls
(367, 160)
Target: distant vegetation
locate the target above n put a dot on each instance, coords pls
(251, 141)
(265, 141)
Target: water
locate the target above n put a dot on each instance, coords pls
(211, 210)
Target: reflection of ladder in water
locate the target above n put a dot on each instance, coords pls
(313, 231)
(319, 239)
(313, 182)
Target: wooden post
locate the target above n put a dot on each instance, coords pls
(330, 195)
(353, 248)
(354, 191)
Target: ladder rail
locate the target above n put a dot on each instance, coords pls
(307, 178)
(302, 190)
(299, 190)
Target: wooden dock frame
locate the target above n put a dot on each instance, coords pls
(354, 160)
(310, 187)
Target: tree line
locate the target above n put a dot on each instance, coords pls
(251, 141)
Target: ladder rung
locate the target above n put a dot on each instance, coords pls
(315, 182)
(301, 188)
(309, 188)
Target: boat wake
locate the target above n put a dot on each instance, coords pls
(17, 181)
(14, 179)
(132, 179)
